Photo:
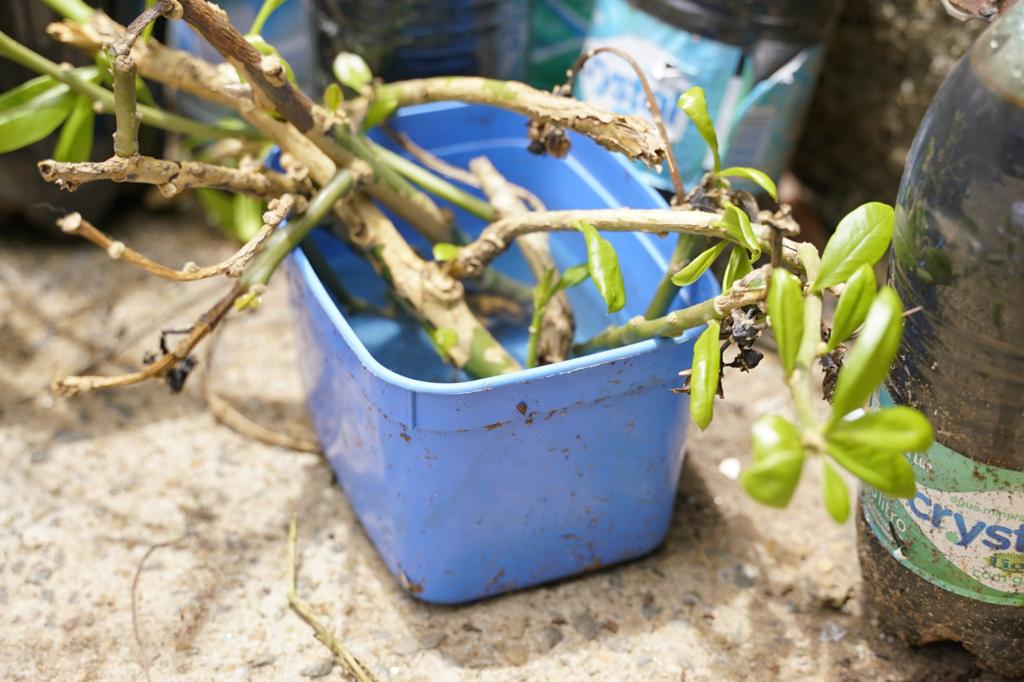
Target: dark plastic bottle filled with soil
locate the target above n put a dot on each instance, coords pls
(949, 563)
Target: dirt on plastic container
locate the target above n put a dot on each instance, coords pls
(948, 564)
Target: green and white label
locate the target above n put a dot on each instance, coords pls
(962, 531)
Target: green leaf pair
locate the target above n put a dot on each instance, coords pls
(872, 446)
(695, 106)
(604, 267)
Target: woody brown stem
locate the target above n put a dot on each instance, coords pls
(74, 223)
(126, 136)
(629, 135)
(557, 325)
(272, 91)
(498, 236)
(652, 106)
(73, 385)
(171, 177)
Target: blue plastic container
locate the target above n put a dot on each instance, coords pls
(474, 488)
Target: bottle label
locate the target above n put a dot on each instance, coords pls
(962, 531)
(758, 122)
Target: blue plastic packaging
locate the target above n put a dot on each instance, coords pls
(474, 488)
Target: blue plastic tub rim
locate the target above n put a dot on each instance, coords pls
(337, 318)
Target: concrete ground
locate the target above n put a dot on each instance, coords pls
(88, 486)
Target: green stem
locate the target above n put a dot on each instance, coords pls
(266, 9)
(289, 236)
(800, 380)
(383, 173)
(75, 10)
(126, 135)
(639, 329)
(435, 184)
(687, 246)
(152, 116)
(534, 340)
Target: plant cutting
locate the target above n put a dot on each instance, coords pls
(333, 162)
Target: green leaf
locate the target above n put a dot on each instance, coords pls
(33, 120)
(868, 362)
(833, 488)
(786, 315)
(268, 50)
(893, 428)
(604, 267)
(694, 105)
(382, 106)
(28, 91)
(75, 142)
(861, 238)
(445, 252)
(737, 267)
(853, 306)
(736, 223)
(351, 70)
(886, 470)
(333, 96)
(707, 361)
(759, 178)
(696, 267)
(248, 217)
(266, 10)
(778, 461)
(573, 276)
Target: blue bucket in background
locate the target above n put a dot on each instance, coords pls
(473, 488)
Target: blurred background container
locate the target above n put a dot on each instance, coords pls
(416, 38)
(885, 61)
(22, 191)
(757, 61)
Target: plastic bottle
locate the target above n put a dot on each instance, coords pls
(949, 563)
(757, 61)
